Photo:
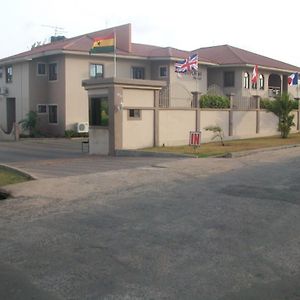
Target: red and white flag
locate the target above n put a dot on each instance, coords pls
(254, 74)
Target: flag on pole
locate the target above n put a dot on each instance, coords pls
(293, 79)
(254, 77)
(187, 65)
(103, 44)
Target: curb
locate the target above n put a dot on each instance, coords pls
(250, 152)
(29, 176)
(136, 153)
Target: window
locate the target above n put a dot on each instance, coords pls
(261, 82)
(138, 73)
(254, 85)
(41, 69)
(96, 71)
(1, 72)
(98, 111)
(228, 79)
(52, 114)
(52, 71)
(42, 109)
(134, 114)
(8, 73)
(163, 71)
(246, 80)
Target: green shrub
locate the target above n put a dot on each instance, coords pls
(214, 101)
(282, 107)
(30, 123)
(73, 133)
(265, 103)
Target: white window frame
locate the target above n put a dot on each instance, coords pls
(134, 117)
(160, 67)
(37, 69)
(96, 64)
(57, 71)
(41, 113)
(56, 114)
(133, 68)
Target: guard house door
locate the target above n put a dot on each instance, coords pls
(10, 113)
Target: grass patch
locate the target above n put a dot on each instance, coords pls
(10, 176)
(215, 148)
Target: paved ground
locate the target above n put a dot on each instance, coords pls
(46, 158)
(207, 229)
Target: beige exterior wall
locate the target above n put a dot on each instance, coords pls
(138, 133)
(78, 69)
(98, 141)
(18, 89)
(138, 98)
(175, 125)
(181, 87)
(268, 123)
(213, 118)
(215, 76)
(244, 123)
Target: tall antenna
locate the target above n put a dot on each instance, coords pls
(57, 30)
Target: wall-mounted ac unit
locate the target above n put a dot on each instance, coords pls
(3, 90)
(82, 127)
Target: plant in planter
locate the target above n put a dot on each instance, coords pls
(218, 133)
(282, 107)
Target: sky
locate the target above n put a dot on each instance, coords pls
(265, 27)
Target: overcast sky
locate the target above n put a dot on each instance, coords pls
(266, 27)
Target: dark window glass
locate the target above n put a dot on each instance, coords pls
(138, 73)
(53, 71)
(254, 85)
(42, 108)
(135, 113)
(229, 79)
(98, 112)
(1, 72)
(41, 69)
(9, 73)
(52, 114)
(96, 71)
(163, 71)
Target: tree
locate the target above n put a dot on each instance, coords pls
(282, 107)
(218, 133)
(29, 123)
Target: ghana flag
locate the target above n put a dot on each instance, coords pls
(103, 44)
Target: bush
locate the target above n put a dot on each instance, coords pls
(265, 103)
(214, 101)
(29, 123)
(282, 107)
(73, 133)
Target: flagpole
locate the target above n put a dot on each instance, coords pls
(115, 54)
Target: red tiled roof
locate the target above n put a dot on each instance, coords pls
(219, 55)
(229, 55)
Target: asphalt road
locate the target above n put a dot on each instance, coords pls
(211, 229)
(52, 158)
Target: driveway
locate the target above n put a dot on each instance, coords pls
(50, 158)
(213, 229)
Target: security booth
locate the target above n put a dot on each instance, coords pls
(123, 114)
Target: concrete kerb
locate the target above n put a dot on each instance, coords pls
(141, 153)
(250, 152)
(29, 176)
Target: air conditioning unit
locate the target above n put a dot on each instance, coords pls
(3, 90)
(82, 127)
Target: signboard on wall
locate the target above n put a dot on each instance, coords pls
(195, 138)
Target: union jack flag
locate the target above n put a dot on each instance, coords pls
(187, 65)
